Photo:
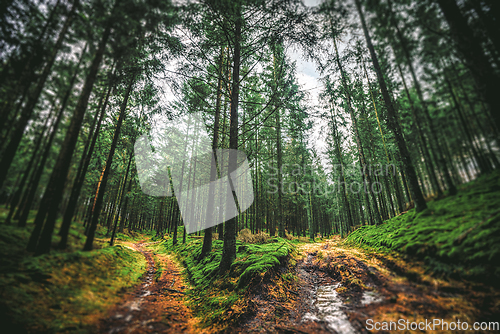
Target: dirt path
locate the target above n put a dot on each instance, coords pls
(340, 288)
(156, 305)
(334, 289)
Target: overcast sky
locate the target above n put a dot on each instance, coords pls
(307, 76)
(306, 70)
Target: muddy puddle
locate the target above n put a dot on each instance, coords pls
(371, 297)
(329, 309)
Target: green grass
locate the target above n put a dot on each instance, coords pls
(64, 291)
(456, 235)
(220, 300)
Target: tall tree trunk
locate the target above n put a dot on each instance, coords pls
(27, 202)
(17, 200)
(207, 238)
(176, 217)
(365, 175)
(229, 248)
(483, 73)
(436, 151)
(475, 119)
(125, 208)
(54, 191)
(82, 171)
(25, 76)
(343, 190)
(121, 201)
(97, 209)
(418, 198)
(10, 151)
(425, 151)
(279, 153)
(483, 166)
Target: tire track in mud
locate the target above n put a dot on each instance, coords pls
(384, 288)
(324, 311)
(340, 287)
(153, 306)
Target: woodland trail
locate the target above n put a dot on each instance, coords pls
(156, 305)
(340, 287)
(336, 289)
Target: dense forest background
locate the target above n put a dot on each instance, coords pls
(408, 107)
(408, 110)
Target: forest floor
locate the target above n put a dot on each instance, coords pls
(328, 286)
(441, 264)
(339, 287)
(336, 288)
(156, 305)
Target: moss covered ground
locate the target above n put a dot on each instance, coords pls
(457, 236)
(69, 291)
(64, 291)
(221, 300)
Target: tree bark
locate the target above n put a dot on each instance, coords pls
(418, 198)
(483, 73)
(97, 209)
(207, 238)
(54, 191)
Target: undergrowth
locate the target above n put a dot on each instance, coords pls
(221, 300)
(456, 236)
(247, 236)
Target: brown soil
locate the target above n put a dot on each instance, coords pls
(403, 288)
(279, 300)
(156, 305)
